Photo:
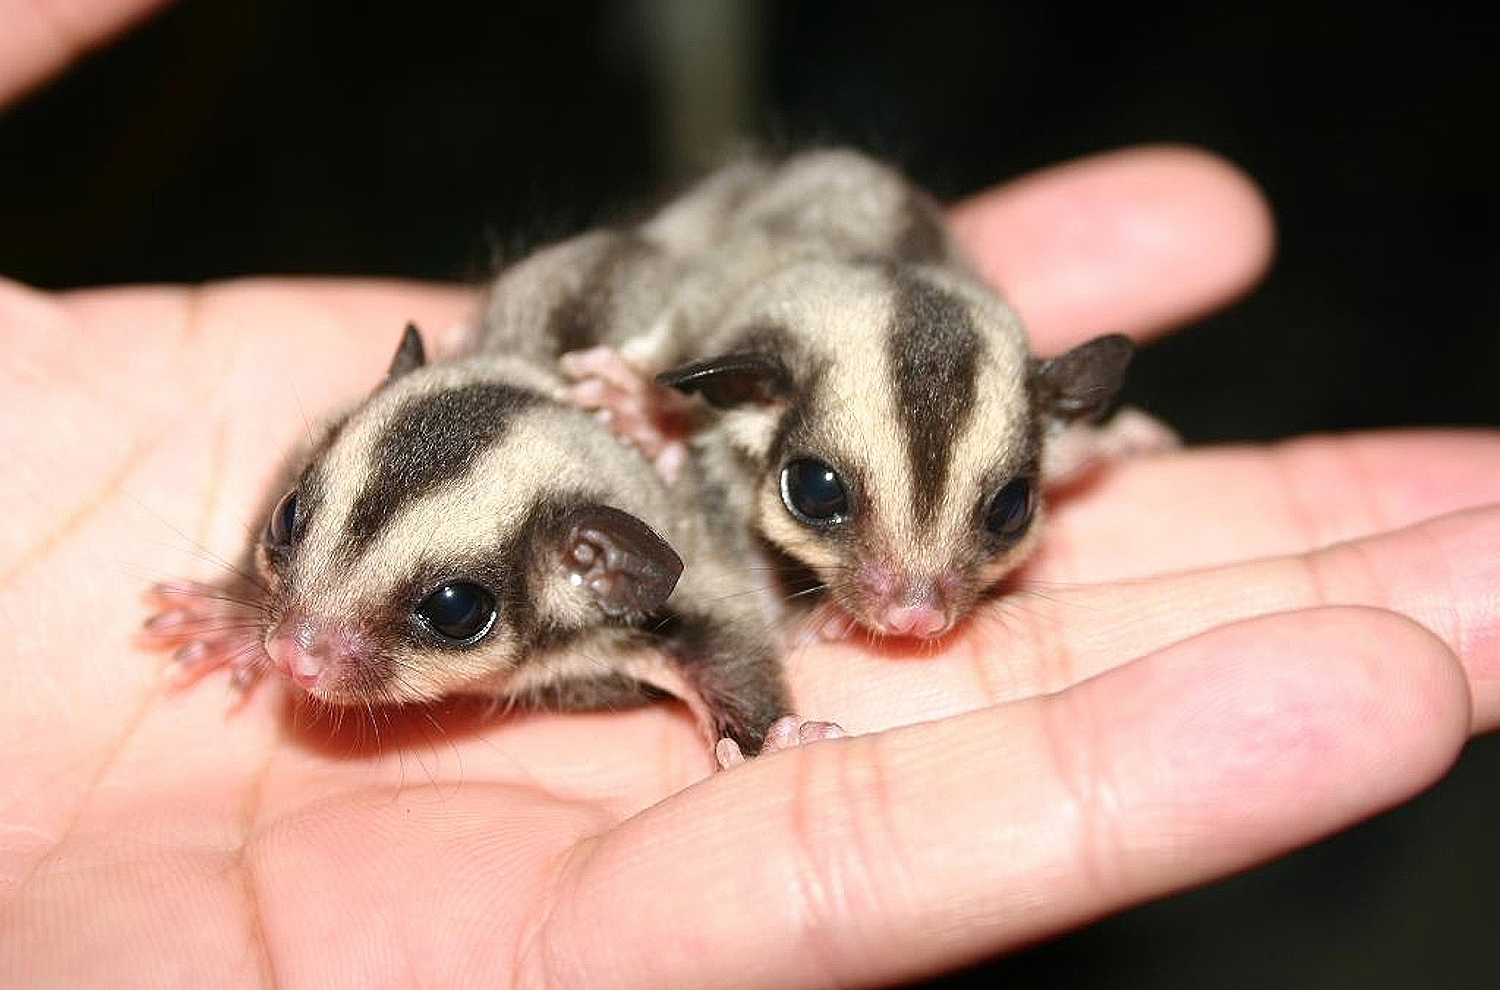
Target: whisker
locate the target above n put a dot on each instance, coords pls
(198, 549)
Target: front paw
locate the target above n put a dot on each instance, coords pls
(787, 732)
(653, 419)
(205, 627)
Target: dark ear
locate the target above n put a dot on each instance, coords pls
(409, 355)
(620, 562)
(732, 380)
(1081, 383)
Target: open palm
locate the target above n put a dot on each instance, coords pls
(1216, 656)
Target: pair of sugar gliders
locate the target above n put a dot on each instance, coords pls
(848, 400)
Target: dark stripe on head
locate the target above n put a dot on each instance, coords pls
(934, 357)
(431, 440)
(581, 319)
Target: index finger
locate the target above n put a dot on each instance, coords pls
(888, 857)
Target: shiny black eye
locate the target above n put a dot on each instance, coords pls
(283, 520)
(458, 612)
(813, 493)
(1009, 512)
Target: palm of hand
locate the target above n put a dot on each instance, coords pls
(1148, 712)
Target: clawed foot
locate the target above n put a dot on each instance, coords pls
(652, 418)
(786, 732)
(205, 628)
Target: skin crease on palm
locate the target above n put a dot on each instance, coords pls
(1215, 656)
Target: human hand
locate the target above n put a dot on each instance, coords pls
(1169, 701)
(1180, 688)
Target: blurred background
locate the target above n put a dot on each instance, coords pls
(229, 137)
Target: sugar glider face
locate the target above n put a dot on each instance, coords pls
(893, 421)
(447, 532)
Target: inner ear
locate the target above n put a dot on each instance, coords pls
(1081, 383)
(621, 563)
(732, 380)
(410, 355)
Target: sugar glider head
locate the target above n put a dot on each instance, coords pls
(450, 529)
(892, 420)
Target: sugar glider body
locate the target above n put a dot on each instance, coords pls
(463, 532)
(880, 420)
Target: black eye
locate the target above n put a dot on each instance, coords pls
(813, 492)
(459, 612)
(283, 520)
(1009, 512)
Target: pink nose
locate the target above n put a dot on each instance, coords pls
(923, 621)
(296, 662)
(311, 651)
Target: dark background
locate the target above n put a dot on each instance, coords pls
(229, 137)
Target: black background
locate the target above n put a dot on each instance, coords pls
(234, 137)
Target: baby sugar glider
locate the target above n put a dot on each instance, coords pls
(880, 420)
(462, 532)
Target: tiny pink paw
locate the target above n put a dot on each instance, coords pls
(652, 418)
(204, 627)
(604, 365)
(787, 732)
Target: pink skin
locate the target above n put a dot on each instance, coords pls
(653, 419)
(896, 603)
(834, 624)
(919, 620)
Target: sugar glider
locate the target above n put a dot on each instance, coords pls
(463, 532)
(880, 420)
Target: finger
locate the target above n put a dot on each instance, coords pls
(362, 313)
(1441, 573)
(1037, 640)
(42, 36)
(1128, 241)
(889, 857)
(1211, 506)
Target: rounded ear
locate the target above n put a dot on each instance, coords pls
(618, 561)
(410, 355)
(1081, 383)
(732, 380)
